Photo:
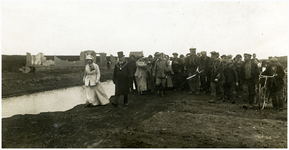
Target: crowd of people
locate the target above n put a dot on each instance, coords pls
(225, 78)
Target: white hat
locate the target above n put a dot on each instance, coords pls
(89, 57)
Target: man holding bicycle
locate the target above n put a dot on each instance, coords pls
(275, 84)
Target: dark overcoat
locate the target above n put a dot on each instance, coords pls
(277, 82)
(121, 78)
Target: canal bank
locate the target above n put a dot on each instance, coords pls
(177, 120)
(49, 101)
(18, 84)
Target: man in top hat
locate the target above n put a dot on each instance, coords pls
(249, 79)
(192, 64)
(275, 84)
(122, 79)
(217, 77)
(160, 74)
(178, 69)
(205, 76)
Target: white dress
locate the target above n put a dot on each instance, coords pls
(95, 94)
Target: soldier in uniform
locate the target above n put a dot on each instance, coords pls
(159, 73)
(192, 64)
(122, 78)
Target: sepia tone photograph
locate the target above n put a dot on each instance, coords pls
(144, 74)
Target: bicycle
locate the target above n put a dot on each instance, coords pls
(264, 93)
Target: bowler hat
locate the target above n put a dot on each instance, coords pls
(120, 54)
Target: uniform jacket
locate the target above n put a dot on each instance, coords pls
(122, 76)
(160, 68)
(91, 74)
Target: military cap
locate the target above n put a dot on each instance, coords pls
(213, 52)
(223, 56)
(247, 54)
(175, 54)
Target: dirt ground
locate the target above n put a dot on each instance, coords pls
(177, 120)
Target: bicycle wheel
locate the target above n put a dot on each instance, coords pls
(261, 98)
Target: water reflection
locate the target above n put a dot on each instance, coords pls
(49, 101)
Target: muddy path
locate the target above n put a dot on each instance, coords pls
(177, 120)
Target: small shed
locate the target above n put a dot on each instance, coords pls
(136, 53)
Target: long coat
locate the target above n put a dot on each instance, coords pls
(122, 76)
(91, 74)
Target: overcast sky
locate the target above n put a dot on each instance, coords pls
(67, 28)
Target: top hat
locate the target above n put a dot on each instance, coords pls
(89, 57)
(120, 54)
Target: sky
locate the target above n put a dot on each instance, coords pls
(69, 27)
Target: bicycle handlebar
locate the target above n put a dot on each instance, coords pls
(263, 76)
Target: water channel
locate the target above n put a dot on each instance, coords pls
(49, 101)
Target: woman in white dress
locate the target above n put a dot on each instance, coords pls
(141, 75)
(95, 94)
